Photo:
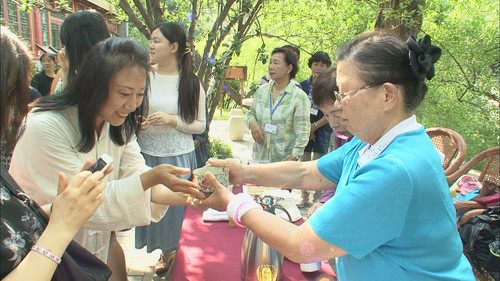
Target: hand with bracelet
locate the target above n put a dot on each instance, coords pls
(76, 201)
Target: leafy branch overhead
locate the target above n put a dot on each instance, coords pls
(464, 95)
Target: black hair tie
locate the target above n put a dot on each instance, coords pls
(423, 56)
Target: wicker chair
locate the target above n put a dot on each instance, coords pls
(452, 145)
(490, 179)
(490, 171)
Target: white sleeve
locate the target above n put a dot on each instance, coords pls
(48, 146)
(197, 126)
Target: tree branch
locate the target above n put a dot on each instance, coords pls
(192, 26)
(144, 14)
(469, 84)
(157, 12)
(222, 16)
(133, 18)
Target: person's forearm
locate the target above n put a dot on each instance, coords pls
(36, 266)
(289, 174)
(253, 123)
(149, 179)
(297, 243)
(163, 195)
(195, 127)
(321, 122)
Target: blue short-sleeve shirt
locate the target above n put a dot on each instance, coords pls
(393, 215)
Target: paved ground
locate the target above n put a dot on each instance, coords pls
(140, 264)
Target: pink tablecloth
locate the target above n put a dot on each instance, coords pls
(211, 251)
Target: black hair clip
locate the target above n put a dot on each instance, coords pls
(423, 56)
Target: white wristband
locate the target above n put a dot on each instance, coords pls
(239, 205)
(235, 202)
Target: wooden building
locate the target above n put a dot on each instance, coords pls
(40, 27)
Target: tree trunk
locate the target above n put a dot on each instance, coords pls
(404, 17)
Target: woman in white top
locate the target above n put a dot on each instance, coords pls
(99, 113)
(176, 107)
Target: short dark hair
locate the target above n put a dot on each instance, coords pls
(14, 86)
(290, 58)
(50, 55)
(324, 85)
(293, 49)
(380, 57)
(79, 32)
(189, 84)
(90, 89)
(320, 57)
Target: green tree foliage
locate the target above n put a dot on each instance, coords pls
(464, 95)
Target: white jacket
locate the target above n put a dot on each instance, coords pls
(48, 146)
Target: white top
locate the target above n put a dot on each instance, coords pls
(48, 146)
(165, 141)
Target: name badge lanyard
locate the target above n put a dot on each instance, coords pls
(271, 104)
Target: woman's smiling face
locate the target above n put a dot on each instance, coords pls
(126, 91)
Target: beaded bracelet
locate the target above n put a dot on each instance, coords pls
(46, 253)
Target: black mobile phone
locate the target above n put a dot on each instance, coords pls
(102, 164)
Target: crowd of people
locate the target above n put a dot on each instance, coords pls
(147, 110)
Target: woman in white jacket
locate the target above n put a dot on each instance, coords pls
(100, 112)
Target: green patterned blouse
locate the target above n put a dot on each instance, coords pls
(289, 113)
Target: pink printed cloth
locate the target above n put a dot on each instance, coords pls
(467, 184)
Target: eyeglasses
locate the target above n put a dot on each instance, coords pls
(340, 96)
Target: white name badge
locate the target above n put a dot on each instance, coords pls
(269, 128)
(314, 111)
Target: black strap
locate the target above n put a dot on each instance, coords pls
(21, 195)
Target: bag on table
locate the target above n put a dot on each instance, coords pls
(481, 238)
(77, 263)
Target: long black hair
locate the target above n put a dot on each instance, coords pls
(14, 87)
(79, 32)
(189, 84)
(90, 89)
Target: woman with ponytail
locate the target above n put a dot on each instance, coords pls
(177, 111)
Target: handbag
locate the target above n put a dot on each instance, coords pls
(77, 263)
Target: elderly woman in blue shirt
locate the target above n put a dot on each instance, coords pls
(392, 217)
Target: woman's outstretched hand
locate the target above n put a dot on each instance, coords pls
(167, 175)
(219, 198)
